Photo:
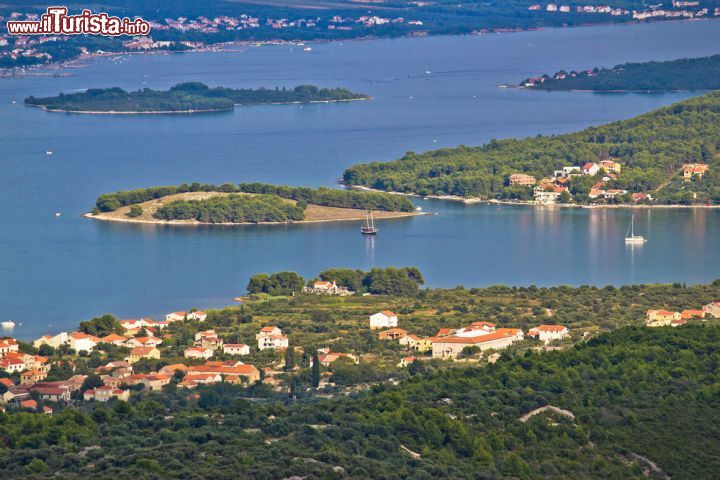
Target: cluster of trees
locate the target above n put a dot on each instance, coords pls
(404, 281)
(327, 197)
(280, 283)
(233, 209)
(186, 97)
(398, 282)
(682, 74)
(651, 148)
(635, 393)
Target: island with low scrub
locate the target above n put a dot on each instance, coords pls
(246, 203)
(684, 74)
(189, 97)
(670, 157)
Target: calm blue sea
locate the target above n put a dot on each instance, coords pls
(56, 271)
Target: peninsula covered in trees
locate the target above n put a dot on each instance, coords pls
(682, 74)
(246, 203)
(187, 97)
(671, 154)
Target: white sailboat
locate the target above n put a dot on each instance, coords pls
(630, 236)
(369, 227)
(8, 324)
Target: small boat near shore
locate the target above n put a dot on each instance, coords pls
(369, 227)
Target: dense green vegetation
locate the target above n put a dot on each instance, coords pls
(404, 281)
(379, 281)
(233, 208)
(637, 391)
(317, 196)
(682, 74)
(651, 149)
(186, 97)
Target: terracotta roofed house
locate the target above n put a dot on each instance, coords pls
(451, 346)
(143, 352)
(712, 308)
(236, 349)
(521, 179)
(198, 352)
(271, 337)
(548, 333)
(392, 334)
(661, 318)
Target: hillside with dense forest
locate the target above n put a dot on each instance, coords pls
(637, 395)
(185, 98)
(651, 149)
(682, 74)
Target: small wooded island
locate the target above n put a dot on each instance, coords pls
(189, 97)
(246, 203)
(674, 75)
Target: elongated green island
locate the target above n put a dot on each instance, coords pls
(246, 203)
(190, 97)
(674, 75)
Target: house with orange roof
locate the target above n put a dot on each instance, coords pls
(114, 339)
(82, 342)
(444, 332)
(326, 359)
(6, 382)
(610, 166)
(590, 169)
(691, 170)
(688, 314)
(50, 393)
(236, 349)
(176, 316)
(249, 372)
(521, 179)
(198, 352)
(384, 319)
(202, 378)
(105, 394)
(8, 345)
(32, 376)
(405, 362)
(661, 318)
(392, 334)
(409, 340)
(451, 346)
(28, 404)
(271, 337)
(548, 333)
(156, 381)
(12, 364)
(138, 353)
(712, 308)
(197, 315)
(142, 342)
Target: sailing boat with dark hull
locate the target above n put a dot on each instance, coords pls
(369, 227)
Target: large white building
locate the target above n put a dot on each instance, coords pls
(271, 337)
(483, 335)
(384, 319)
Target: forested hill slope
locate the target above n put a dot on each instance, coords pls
(636, 392)
(651, 149)
(681, 74)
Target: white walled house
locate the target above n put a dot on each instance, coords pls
(198, 315)
(548, 333)
(55, 341)
(236, 349)
(384, 319)
(80, 342)
(271, 337)
(175, 316)
(198, 352)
